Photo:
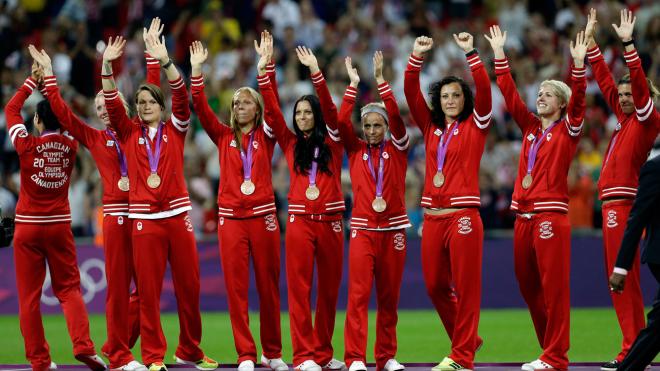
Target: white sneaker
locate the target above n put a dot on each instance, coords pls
(275, 364)
(536, 365)
(393, 365)
(358, 366)
(53, 366)
(132, 366)
(335, 364)
(246, 366)
(308, 365)
(94, 362)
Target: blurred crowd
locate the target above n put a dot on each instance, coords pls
(74, 33)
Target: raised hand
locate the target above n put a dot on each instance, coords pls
(265, 51)
(198, 55)
(37, 73)
(155, 29)
(307, 58)
(114, 49)
(352, 72)
(42, 59)
(422, 45)
(625, 29)
(156, 48)
(579, 49)
(497, 40)
(465, 41)
(378, 67)
(590, 30)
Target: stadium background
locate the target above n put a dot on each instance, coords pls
(72, 31)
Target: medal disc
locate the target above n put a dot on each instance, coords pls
(527, 181)
(153, 181)
(438, 179)
(247, 187)
(378, 204)
(312, 192)
(123, 184)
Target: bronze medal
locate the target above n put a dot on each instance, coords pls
(247, 187)
(123, 184)
(527, 181)
(378, 204)
(312, 192)
(438, 179)
(153, 181)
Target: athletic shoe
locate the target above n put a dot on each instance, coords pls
(246, 365)
(157, 366)
(132, 366)
(308, 365)
(275, 364)
(94, 362)
(53, 366)
(448, 364)
(335, 364)
(610, 366)
(393, 365)
(358, 366)
(204, 364)
(536, 365)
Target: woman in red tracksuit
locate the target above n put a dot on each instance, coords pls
(542, 233)
(314, 232)
(378, 237)
(455, 129)
(248, 224)
(631, 100)
(158, 205)
(122, 308)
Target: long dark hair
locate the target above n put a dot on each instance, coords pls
(437, 116)
(303, 153)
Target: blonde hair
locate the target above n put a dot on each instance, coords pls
(258, 99)
(561, 90)
(121, 97)
(374, 107)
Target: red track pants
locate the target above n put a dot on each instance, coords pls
(34, 245)
(123, 323)
(542, 256)
(310, 242)
(239, 239)
(452, 247)
(629, 305)
(155, 242)
(380, 255)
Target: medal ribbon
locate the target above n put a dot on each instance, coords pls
(154, 158)
(246, 159)
(536, 144)
(381, 166)
(315, 166)
(123, 168)
(444, 144)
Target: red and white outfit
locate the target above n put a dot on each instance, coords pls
(162, 229)
(43, 234)
(628, 149)
(377, 247)
(247, 228)
(542, 233)
(452, 243)
(122, 307)
(314, 234)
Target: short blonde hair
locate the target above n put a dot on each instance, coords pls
(561, 90)
(121, 97)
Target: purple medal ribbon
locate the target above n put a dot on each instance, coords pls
(536, 144)
(122, 157)
(153, 158)
(381, 165)
(444, 144)
(315, 166)
(246, 159)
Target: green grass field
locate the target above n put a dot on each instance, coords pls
(508, 335)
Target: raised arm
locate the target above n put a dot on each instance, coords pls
(576, 105)
(419, 109)
(153, 67)
(600, 69)
(400, 137)
(345, 123)
(69, 121)
(644, 107)
(119, 119)
(208, 119)
(273, 112)
(328, 108)
(483, 101)
(15, 123)
(514, 103)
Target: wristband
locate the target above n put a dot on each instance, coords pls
(167, 65)
(629, 42)
(471, 52)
